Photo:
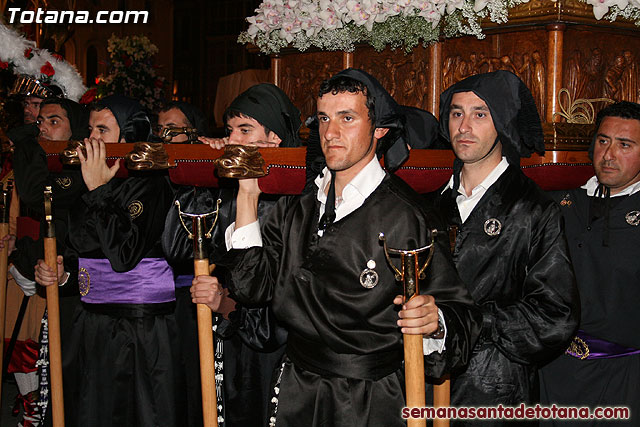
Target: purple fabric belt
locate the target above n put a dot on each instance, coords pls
(184, 280)
(586, 347)
(150, 282)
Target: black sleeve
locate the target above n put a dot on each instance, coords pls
(542, 322)
(253, 271)
(29, 165)
(462, 317)
(256, 326)
(122, 220)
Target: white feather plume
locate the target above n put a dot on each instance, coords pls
(66, 77)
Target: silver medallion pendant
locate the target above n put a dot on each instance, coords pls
(633, 218)
(369, 277)
(492, 227)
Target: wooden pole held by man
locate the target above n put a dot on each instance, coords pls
(53, 314)
(205, 329)
(413, 353)
(410, 273)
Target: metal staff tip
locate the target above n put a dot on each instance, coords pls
(48, 215)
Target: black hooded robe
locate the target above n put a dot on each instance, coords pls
(344, 350)
(124, 353)
(523, 281)
(31, 176)
(608, 278)
(252, 343)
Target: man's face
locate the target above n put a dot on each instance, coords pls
(244, 130)
(471, 128)
(103, 125)
(347, 135)
(616, 155)
(174, 118)
(53, 123)
(31, 106)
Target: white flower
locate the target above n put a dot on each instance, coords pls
(452, 5)
(479, 5)
(601, 7)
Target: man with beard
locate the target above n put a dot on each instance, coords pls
(317, 259)
(601, 367)
(510, 248)
(123, 334)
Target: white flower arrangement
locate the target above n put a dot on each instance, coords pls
(342, 24)
(611, 9)
(23, 57)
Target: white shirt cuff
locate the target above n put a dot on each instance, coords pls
(27, 286)
(244, 237)
(65, 279)
(429, 345)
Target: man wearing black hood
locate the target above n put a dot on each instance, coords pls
(510, 249)
(247, 338)
(62, 120)
(123, 333)
(179, 114)
(318, 261)
(178, 250)
(601, 367)
(59, 120)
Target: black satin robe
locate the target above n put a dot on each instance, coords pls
(31, 176)
(608, 280)
(313, 284)
(253, 343)
(124, 355)
(523, 281)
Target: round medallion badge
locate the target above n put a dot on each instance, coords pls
(492, 227)
(633, 218)
(369, 277)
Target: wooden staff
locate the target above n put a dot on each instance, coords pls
(442, 399)
(413, 353)
(4, 230)
(205, 329)
(53, 310)
(410, 273)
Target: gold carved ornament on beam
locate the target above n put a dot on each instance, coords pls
(238, 161)
(580, 111)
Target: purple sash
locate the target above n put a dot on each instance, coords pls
(150, 282)
(586, 347)
(184, 280)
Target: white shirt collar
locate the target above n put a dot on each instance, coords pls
(593, 184)
(487, 182)
(363, 184)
